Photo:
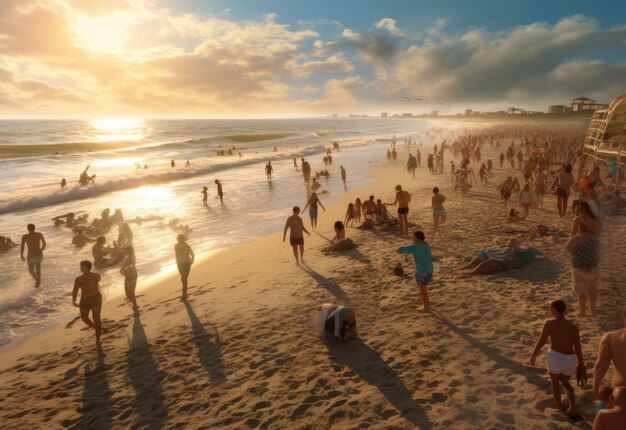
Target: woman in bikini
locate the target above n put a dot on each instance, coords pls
(129, 271)
(439, 213)
(350, 215)
(312, 205)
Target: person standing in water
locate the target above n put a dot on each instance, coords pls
(129, 271)
(313, 202)
(296, 238)
(269, 170)
(63, 183)
(220, 192)
(36, 244)
(172, 163)
(402, 199)
(90, 297)
(295, 164)
(343, 174)
(204, 192)
(439, 213)
(184, 259)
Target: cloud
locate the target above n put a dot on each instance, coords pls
(389, 24)
(334, 63)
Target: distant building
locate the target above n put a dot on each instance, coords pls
(434, 112)
(407, 115)
(583, 103)
(383, 115)
(334, 115)
(468, 111)
(559, 109)
(515, 111)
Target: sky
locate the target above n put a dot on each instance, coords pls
(288, 58)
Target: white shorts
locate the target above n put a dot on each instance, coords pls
(585, 279)
(558, 363)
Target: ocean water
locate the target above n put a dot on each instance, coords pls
(35, 155)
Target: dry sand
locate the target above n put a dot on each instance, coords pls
(242, 352)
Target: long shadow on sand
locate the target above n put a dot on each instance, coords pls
(209, 347)
(370, 366)
(540, 270)
(97, 412)
(331, 286)
(494, 353)
(143, 373)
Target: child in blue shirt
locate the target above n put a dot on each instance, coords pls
(423, 260)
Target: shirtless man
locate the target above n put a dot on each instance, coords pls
(269, 170)
(296, 238)
(613, 419)
(36, 245)
(184, 259)
(343, 174)
(612, 350)
(205, 192)
(90, 297)
(402, 199)
(561, 357)
(220, 193)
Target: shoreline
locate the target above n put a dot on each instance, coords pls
(242, 352)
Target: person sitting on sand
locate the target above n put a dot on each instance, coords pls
(423, 261)
(561, 357)
(104, 256)
(613, 419)
(339, 241)
(607, 401)
(499, 258)
(383, 217)
(90, 297)
(339, 321)
(184, 259)
(6, 244)
(350, 215)
(358, 207)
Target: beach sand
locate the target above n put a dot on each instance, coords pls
(242, 353)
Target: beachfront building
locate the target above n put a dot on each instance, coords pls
(515, 111)
(605, 142)
(555, 109)
(581, 104)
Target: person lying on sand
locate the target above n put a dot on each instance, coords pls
(561, 358)
(339, 321)
(499, 258)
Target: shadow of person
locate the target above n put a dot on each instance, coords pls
(494, 354)
(209, 347)
(97, 411)
(143, 373)
(331, 286)
(370, 366)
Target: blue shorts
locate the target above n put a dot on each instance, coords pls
(423, 278)
(313, 213)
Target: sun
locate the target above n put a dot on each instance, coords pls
(106, 33)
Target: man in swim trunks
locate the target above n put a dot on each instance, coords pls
(564, 350)
(90, 297)
(296, 238)
(402, 199)
(269, 170)
(343, 174)
(612, 350)
(36, 245)
(423, 261)
(184, 259)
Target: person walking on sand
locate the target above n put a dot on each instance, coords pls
(403, 198)
(584, 249)
(423, 261)
(269, 170)
(220, 192)
(129, 271)
(90, 297)
(205, 192)
(36, 245)
(343, 174)
(612, 350)
(562, 184)
(184, 259)
(439, 213)
(296, 238)
(614, 418)
(295, 163)
(561, 357)
(312, 205)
